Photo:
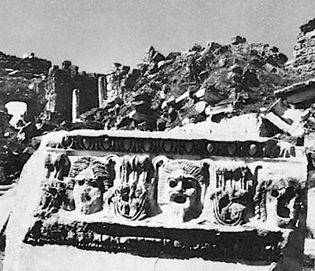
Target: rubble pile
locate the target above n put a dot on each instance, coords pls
(28, 67)
(162, 92)
(304, 50)
(21, 79)
(187, 87)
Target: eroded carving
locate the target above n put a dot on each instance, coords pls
(181, 187)
(279, 201)
(182, 202)
(137, 187)
(60, 166)
(134, 187)
(52, 199)
(92, 179)
(233, 197)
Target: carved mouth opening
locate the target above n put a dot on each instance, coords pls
(178, 198)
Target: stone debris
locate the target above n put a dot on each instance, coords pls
(234, 92)
(293, 130)
(301, 94)
(205, 83)
(26, 67)
(187, 87)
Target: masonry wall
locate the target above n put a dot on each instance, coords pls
(59, 86)
(304, 50)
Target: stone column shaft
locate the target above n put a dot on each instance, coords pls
(75, 105)
(102, 91)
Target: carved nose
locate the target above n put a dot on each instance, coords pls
(180, 186)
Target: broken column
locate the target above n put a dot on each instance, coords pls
(102, 91)
(75, 105)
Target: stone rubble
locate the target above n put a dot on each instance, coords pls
(207, 90)
(205, 83)
(187, 87)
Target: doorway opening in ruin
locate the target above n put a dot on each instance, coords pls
(18, 111)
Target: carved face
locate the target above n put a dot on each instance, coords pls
(183, 189)
(287, 192)
(180, 189)
(88, 192)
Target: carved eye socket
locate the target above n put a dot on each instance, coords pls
(93, 183)
(275, 193)
(187, 184)
(80, 182)
(172, 183)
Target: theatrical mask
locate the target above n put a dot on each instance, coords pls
(88, 192)
(180, 189)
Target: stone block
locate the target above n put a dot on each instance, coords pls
(298, 92)
(137, 194)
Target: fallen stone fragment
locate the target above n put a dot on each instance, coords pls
(200, 107)
(237, 40)
(298, 93)
(224, 108)
(279, 108)
(182, 98)
(250, 78)
(295, 129)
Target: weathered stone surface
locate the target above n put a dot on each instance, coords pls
(304, 49)
(183, 196)
(298, 93)
(59, 86)
(243, 75)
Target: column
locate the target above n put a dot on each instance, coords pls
(75, 105)
(102, 91)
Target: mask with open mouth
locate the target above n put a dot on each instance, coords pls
(180, 188)
(88, 192)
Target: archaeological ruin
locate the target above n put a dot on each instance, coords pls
(157, 195)
(198, 160)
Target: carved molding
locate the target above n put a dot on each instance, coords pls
(201, 147)
(138, 187)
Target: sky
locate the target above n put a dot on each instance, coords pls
(93, 34)
(16, 109)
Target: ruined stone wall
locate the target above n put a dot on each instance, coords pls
(21, 79)
(304, 50)
(27, 67)
(59, 86)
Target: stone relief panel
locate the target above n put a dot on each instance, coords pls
(181, 187)
(235, 189)
(165, 190)
(184, 207)
(134, 187)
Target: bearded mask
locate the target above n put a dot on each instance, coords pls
(180, 188)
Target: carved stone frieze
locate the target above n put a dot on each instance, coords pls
(134, 186)
(137, 187)
(234, 193)
(122, 194)
(165, 146)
